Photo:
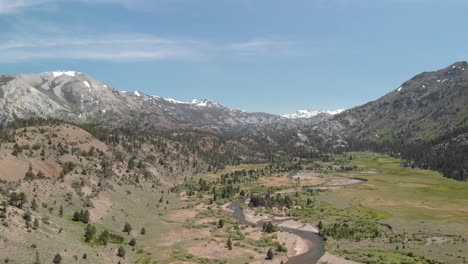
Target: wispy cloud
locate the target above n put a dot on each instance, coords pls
(265, 46)
(9, 7)
(16, 6)
(32, 39)
(35, 40)
(111, 47)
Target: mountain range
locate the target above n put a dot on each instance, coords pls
(77, 97)
(424, 108)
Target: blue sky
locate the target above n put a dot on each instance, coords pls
(256, 55)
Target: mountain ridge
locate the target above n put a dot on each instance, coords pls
(308, 113)
(420, 114)
(419, 109)
(77, 97)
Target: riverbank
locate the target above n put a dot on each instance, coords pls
(302, 240)
(302, 245)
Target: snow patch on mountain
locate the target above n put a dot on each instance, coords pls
(174, 101)
(307, 113)
(60, 73)
(204, 103)
(194, 102)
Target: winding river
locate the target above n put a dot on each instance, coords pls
(315, 243)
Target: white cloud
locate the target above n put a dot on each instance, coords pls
(16, 6)
(266, 46)
(110, 47)
(8, 7)
(30, 39)
(36, 40)
(257, 45)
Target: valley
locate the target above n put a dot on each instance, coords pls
(233, 132)
(366, 207)
(90, 174)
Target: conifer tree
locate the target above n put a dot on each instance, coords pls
(36, 224)
(127, 228)
(34, 204)
(57, 259)
(121, 252)
(229, 244)
(270, 254)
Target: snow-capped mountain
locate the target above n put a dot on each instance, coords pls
(77, 97)
(205, 103)
(194, 102)
(306, 113)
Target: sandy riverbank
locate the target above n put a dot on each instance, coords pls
(296, 245)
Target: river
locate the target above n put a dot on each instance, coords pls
(315, 242)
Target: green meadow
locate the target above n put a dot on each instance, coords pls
(405, 193)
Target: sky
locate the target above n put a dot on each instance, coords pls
(255, 55)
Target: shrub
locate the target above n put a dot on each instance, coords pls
(121, 252)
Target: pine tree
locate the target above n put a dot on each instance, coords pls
(127, 228)
(57, 259)
(320, 226)
(34, 204)
(229, 244)
(131, 164)
(22, 200)
(270, 254)
(86, 217)
(76, 216)
(132, 242)
(40, 175)
(61, 211)
(103, 238)
(143, 231)
(268, 227)
(29, 174)
(90, 232)
(121, 252)
(220, 223)
(36, 224)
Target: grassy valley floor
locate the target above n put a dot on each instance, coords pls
(400, 215)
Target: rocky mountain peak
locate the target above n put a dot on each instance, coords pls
(205, 103)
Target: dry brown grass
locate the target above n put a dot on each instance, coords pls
(284, 181)
(216, 249)
(13, 168)
(182, 234)
(182, 215)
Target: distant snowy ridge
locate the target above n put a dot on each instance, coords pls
(194, 102)
(306, 113)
